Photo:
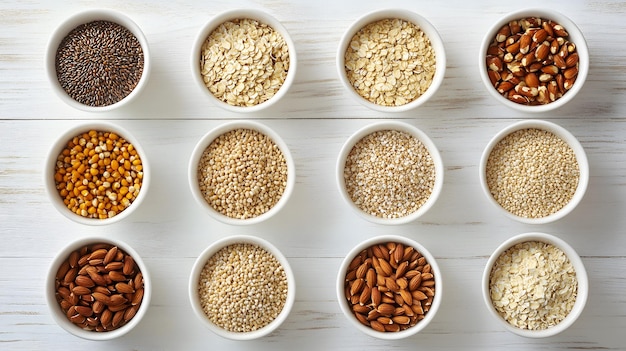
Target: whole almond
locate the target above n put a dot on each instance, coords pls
(415, 282)
(401, 319)
(98, 254)
(403, 267)
(114, 266)
(110, 256)
(124, 288)
(116, 276)
(370, 277)
(386, 309)
(386, 268)
(106, 317)
(84, 310)
(376, 297)
(398, 252)
(360, 308)
(85, 281)
(376, 325)
(407, 297)
(81, 290)
(130, 313)
(105, 299)
(418, 295)
(362, 269)
(117, 299)
(357, 286)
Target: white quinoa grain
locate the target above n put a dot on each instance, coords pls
(533, 285)
(532, 173)
(242, 288)
(389, 174)
(242, 174)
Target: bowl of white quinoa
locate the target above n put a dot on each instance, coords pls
(389, 172)
(97, 60)
(534, 171)
(243, 60)
(391, 60)
(241, 173)
(242, 287)
(535, 285)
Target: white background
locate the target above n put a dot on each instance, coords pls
(316, 229)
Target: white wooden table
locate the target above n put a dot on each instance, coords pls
(316, 229)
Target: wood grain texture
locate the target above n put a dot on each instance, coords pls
(316, 229)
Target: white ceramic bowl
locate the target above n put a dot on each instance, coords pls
(194, 280)
(426, 27)
(58, 147)
(230, 15)
(85, 17)
(402, 127)
(208, 138)
(562, 133)
(346, 308)
(55, 309)
(581, 277)
(575, 36)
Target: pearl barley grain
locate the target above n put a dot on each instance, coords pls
(242, 174)
(532, 173)
(242, 288)
(389, 174)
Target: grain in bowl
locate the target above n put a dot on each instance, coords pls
(390, 172)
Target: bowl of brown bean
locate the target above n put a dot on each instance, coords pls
(243, 60)
(98, 288)
(534, 60)
(241, 173)
(535, 285)
(97, 60)
(391, 60)
(389, 287)
(534, 171)
(242, 287)
(96, 173)
(389, 172)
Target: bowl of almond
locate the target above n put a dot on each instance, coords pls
(391, 60)
(389, 287)
(534, 60)
(98, 288)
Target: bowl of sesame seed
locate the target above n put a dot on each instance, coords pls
(97, 60)
(535, 285)
(241, 173)
(391, 60)
(534, 171)
(243, 60)
(96, 173)
(242, 287)
(389, 172)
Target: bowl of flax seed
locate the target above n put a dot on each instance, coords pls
(97, 60)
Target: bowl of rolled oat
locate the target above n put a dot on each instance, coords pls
(535, 285)
(391, 60)
(243, 60)
(389, 172)
(97, 60)
(534, 171)
(241, 173)
(231, 304)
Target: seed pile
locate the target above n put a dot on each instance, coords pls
(532, 173)
(389, 174)
(242, 288)
(389, 287)
(99, 63)
(98, 174)
(242, 174)
(390, 62)
(244, 62)
(99, 287)
(532, 62)
(533, 285)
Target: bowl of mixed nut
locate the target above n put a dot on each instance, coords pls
(389, 172)
(391, 60)
(241, 173)
(98, 60)
(535, 285)
(98, 288)
(534, 60)
(242, 287)
(389, 287)
(534, 171)
(96, 173)
(243, 60)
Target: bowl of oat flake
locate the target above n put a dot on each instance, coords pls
(241, 173)
(534, 171)
(391, 60)
(243, 60)
(389, 172)
(97, 60)
(242, 287)
(535, 285)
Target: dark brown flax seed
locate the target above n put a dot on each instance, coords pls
(99, 63)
